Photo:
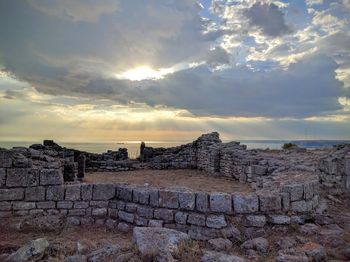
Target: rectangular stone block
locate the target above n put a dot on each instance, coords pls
(168, 199)
(124, 192)
(11, 194)
(187, 200)
(254, 221)
(270, 202)
(35, 193)
(51, 177)
(46, 204)
(77, 212)
(2, 176)
(98, 203)
(72, 192)
(202, 202)
(23, 205)
(181, 218)
(55, 193)
(154, 197)
(141, 221)
(279, 219)
(103, 192)
(125, 216)
(22, 177)
(245, 204)
(155, 223)
(164, 214)
(299, 206)
(5, 214)
(5, 159)
(5, 206)
(99, 212)
(86, 191)
(285, 201)
(65, 204)
(196, 219)
(81, 204)
(220, 202)
(121, 205)
(308, 190)
(216, 221)
(296, 191)
(145, 211)
(131, 207)
(141, 195)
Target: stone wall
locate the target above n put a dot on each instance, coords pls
(26, 190)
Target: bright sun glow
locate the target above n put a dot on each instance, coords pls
(144, 72)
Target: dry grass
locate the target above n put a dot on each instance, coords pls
(187, 178)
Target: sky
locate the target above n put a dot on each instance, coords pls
(106, 70)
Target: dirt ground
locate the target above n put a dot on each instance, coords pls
(190, 179)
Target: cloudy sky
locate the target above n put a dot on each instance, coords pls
(104, 70)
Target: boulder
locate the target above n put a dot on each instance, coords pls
(33, 250)
(103, 254)
(213, 256)
(259, 244)
(314, 251)
(155, 240)
(42, 223)
(220, 244)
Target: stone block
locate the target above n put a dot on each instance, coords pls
(5, 214)
(2, 176)
(121, 205)
(55, 193)
(145, 211)
(22, 177)
(216, 221)
(81, 204)
(285, 197)
(141, 221)
(155, 223)
(77, 212)
(244, 204)
(11, 194)
(196, 219)
(164, 214)
(5, 206)
(168, 199)
(258, 170)
(296, 191)
(270, 202)
(141, 195)
(279, 219)
(181, 218)
(98, 203)
(99, 212)
(51, 177)
(103, 191)
(131, 207)
(299, 206)
(124, 192)
(220, 202)
(46, 204)
(127, 217)
(254, 221)
(308, 190)
(154, 197)
(5, 159)
(23, 205)
(113, 213)
(86, 191)
(187, 200)
(65, 204)
(35, 193)
(72, 192)
(202, 202)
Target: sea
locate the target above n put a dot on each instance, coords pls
(134, 146)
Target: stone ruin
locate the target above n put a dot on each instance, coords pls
(287, 186)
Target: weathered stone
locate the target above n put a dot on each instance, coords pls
(55, 193)
(255, 221)
(270, 202)
(216, 221)
(285, 197)
(35, 193)
(168, 199)
(103, 191)
(181, 217)
(2, 176)
(220, 244)
(131, 207)
(279, 219)
(33, 250)
(213, 256)
(73, 221)
(154, 197)
(202, 202)
(145, 211)
(245, 204)
(314, 251)
(308, 229)
(259, 244)
(11, 194)
(220, 202)
(154, 240)
(196, 219)
(51, 177)
(141, 221)
(187, 200)
(141, 195)
(164, 214)
(86, 191)
(45, 204)
(124, 192)
(65, 204)
(5, 206)
(99, 212)
(23, 205)
(125, 216)
(77, 212)
(72, 192)
(300, 206)
(103, 253)
(155, 223)
(286, 242)
(42, 223)
(22, 177)
(81, 204)
(98, 203)
(296, 191)
(123, 227)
